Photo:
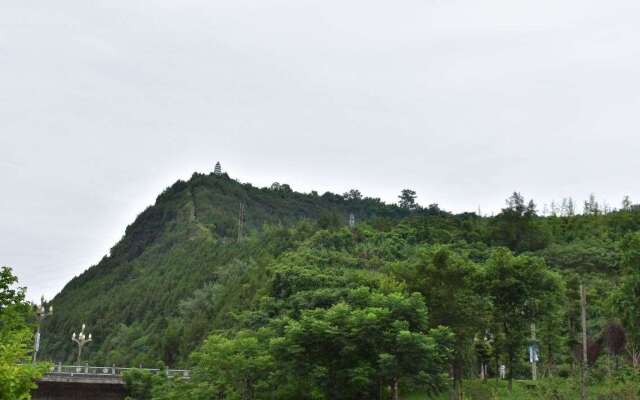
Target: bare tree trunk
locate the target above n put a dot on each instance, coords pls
(457, 378)
(574, 359)
(634, 352)
(457, 390)
(456, 368)
(394, 389)
(510, 371)
(497, 371)
(551, 363)
(583, 313)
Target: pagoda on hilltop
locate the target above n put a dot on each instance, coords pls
(218, 169)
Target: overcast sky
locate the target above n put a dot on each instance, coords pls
(103, 104)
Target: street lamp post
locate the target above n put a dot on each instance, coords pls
(81, 339)
(41, 314)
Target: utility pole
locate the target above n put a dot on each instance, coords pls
(583, 371)
(240, 221)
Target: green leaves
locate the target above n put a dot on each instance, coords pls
(236, 367)
(304, 305)
(354, 348)
(521, 290)
(625, 300)
(518, 227)
(9, 294)
(17, 374)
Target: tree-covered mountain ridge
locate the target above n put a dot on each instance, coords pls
(183, 273)
(190, 230)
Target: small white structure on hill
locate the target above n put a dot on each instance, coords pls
(218, 169)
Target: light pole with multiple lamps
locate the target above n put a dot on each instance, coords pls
(41, 314)
(81, 339)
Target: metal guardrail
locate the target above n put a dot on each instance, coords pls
(113, 371)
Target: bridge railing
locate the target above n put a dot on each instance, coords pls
(60, 369)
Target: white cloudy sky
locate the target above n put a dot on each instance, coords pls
(104, 103)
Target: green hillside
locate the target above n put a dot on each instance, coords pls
(302, 303)
(184, 242)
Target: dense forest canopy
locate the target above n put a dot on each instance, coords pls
(287, 300)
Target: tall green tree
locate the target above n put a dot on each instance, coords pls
(626, 299)
(357, 348)
(521, 289)
(408, 199)
(17, 374)
(626, 305)
(368, 345)
(448, 283)
(234, 368)
(517, 226)
(353, 194)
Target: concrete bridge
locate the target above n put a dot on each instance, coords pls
(82, 382)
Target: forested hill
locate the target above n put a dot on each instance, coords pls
(299, 286)
(185, 240)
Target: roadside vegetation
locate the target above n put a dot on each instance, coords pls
(17, 374)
